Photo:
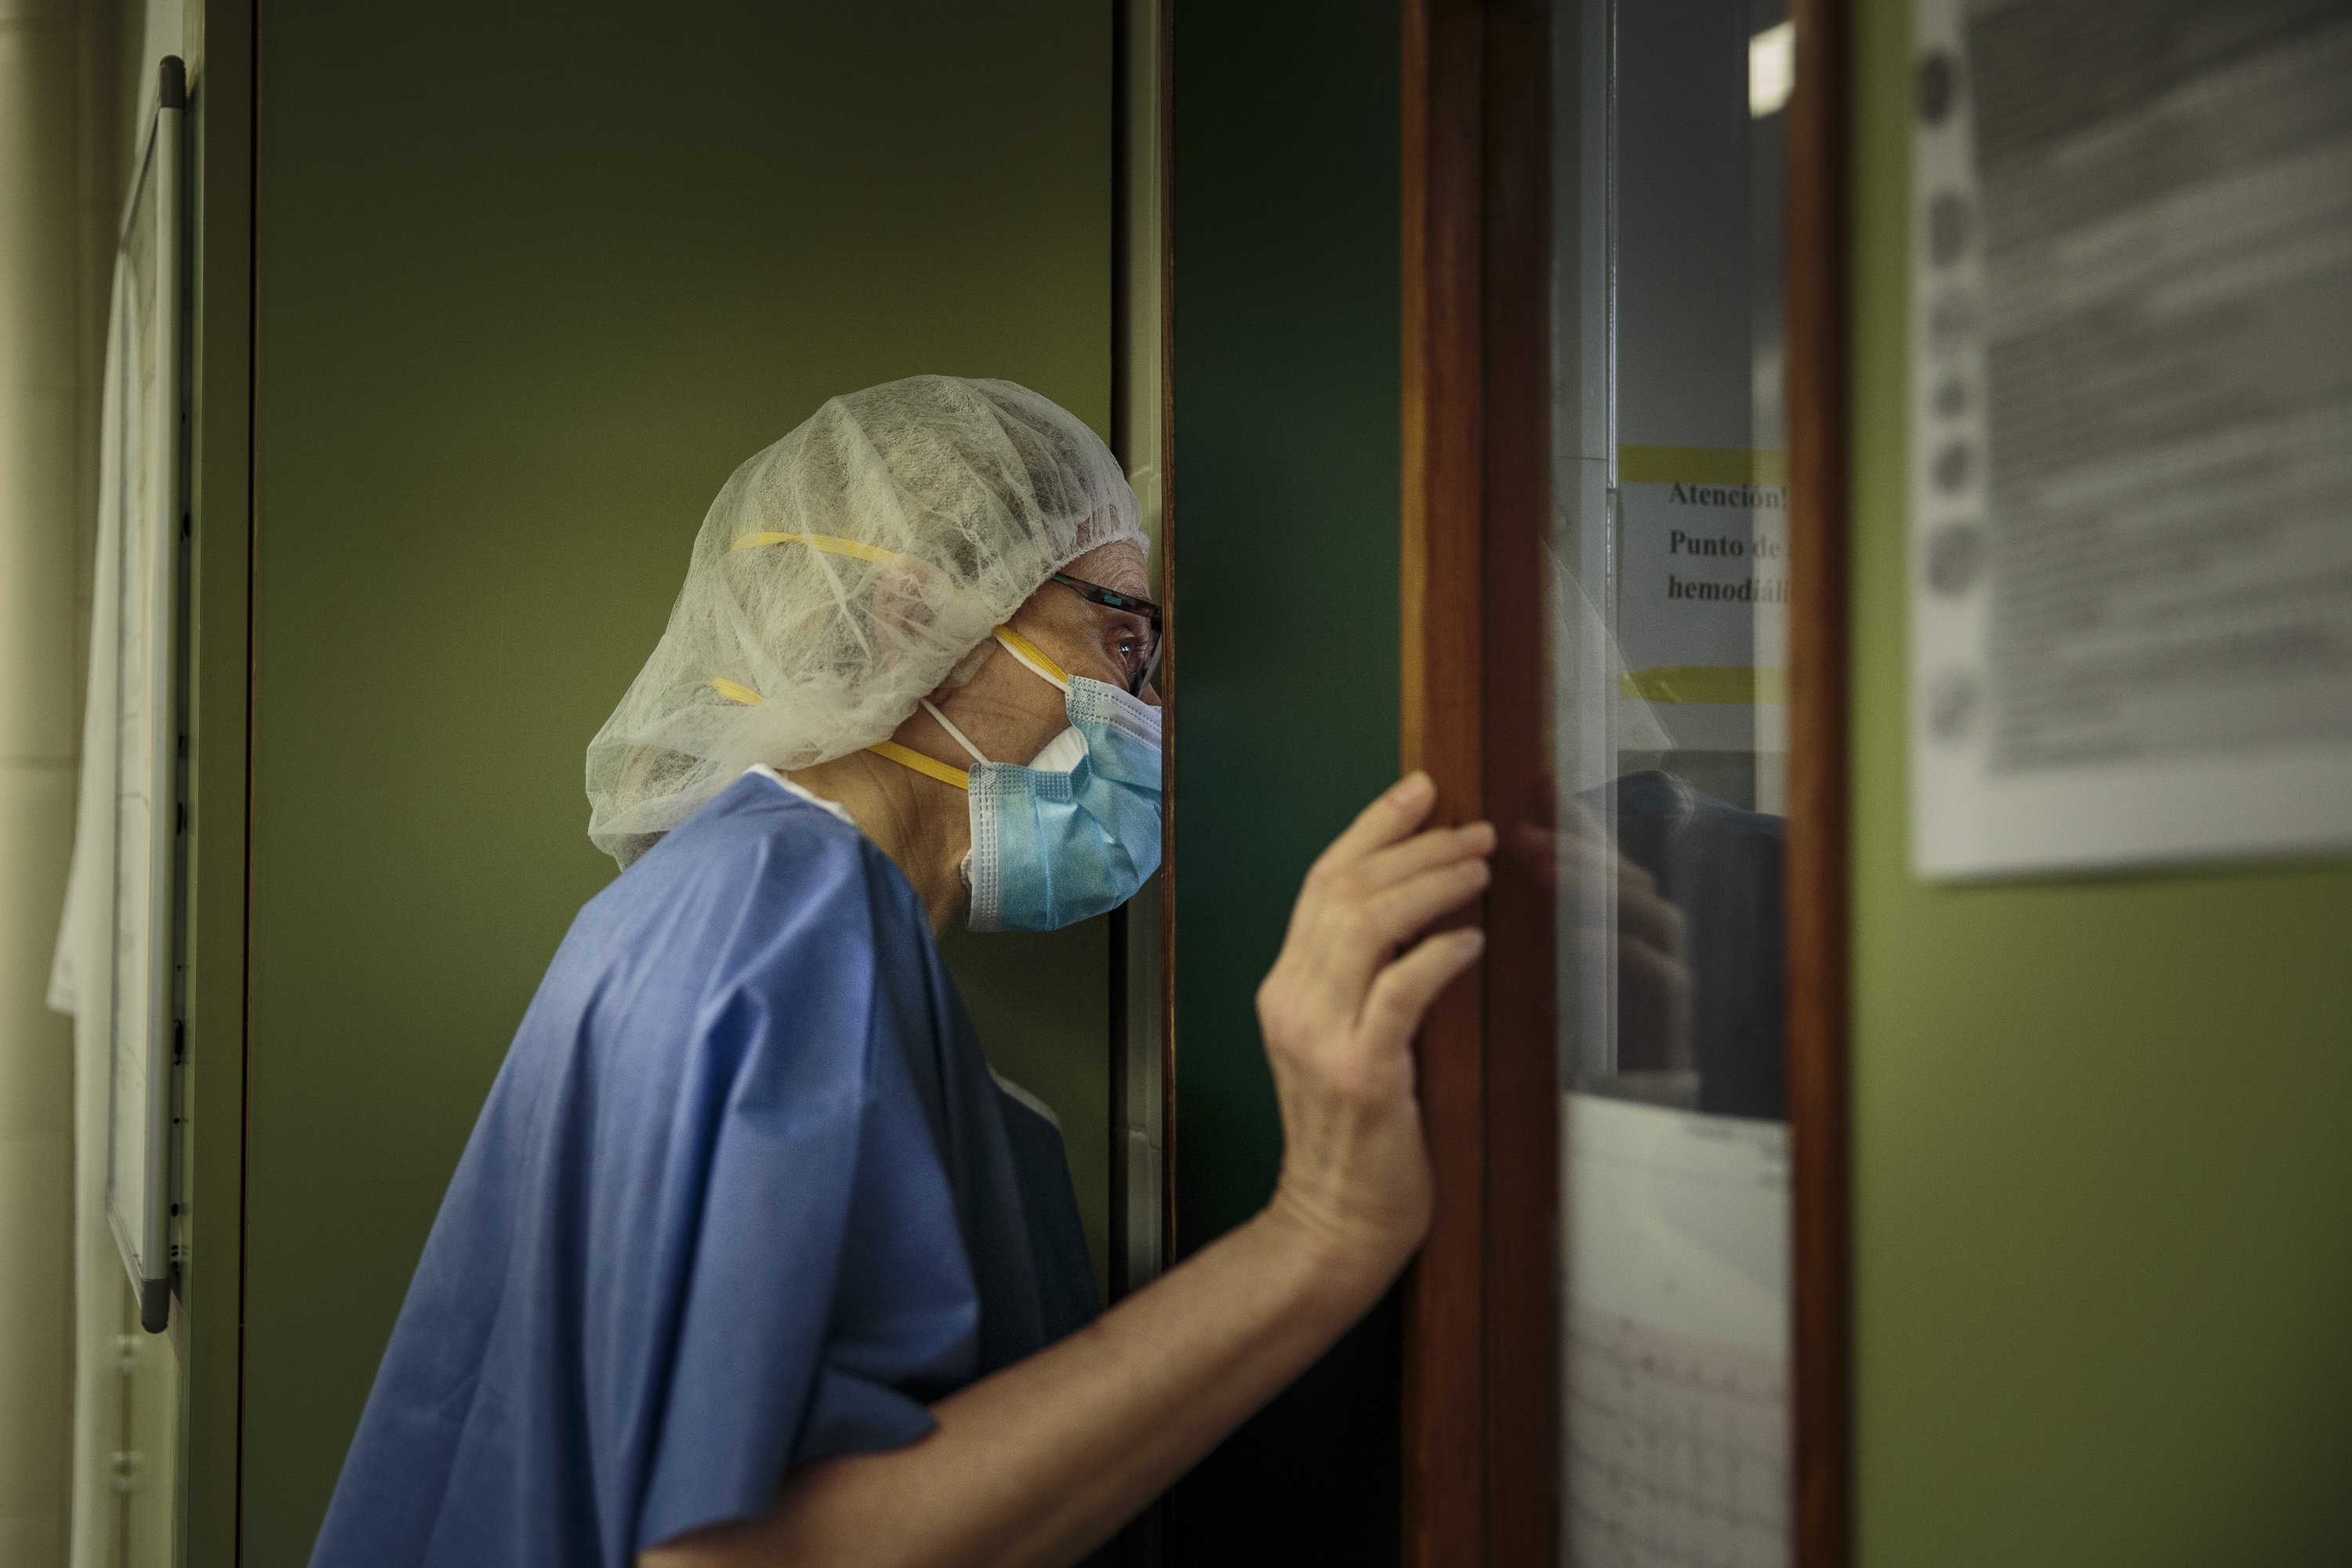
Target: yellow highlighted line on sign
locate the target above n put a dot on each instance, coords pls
(1701, 466)
(1705, 683)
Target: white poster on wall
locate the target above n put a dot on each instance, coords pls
(2131, 432)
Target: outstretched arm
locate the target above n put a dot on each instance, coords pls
(1034, 1466)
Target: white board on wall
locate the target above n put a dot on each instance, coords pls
(118, 969)
(2131, 432)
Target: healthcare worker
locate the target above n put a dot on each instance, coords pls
(750, 1260)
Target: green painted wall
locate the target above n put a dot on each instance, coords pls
(2102, 1161)
(532, 279)
(1285, 534)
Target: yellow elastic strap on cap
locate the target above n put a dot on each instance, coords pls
(930, 767)
(831, 544)
(1032, 656)
(735, 693)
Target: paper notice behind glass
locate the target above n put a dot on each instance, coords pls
(2131, 432)
(1675, 1337)
(1698, 556)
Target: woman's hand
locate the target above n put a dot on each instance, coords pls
(1340, 1009)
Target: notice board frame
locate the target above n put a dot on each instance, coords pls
(1481, 1376)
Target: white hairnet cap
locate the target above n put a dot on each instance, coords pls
(843, 575)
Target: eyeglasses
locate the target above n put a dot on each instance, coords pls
(1131, 603)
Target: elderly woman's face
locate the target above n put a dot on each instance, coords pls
(1113, 646)
(1009, 713)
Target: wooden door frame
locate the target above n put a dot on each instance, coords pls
(1442, 697)
(1817, 884)
(1481, 1375)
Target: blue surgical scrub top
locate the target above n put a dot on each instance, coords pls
(744, 1196)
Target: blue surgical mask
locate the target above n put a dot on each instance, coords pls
(1076, 831)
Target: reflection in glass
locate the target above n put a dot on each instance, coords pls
(1668, 671)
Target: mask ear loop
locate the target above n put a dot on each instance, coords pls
(1033, 657)
(964, 866)
(958, 736)
(931, 767)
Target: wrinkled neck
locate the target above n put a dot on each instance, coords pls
(924, 826)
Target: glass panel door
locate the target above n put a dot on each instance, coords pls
(1667, 665)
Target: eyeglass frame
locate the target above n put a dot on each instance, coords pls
(1130, 604)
